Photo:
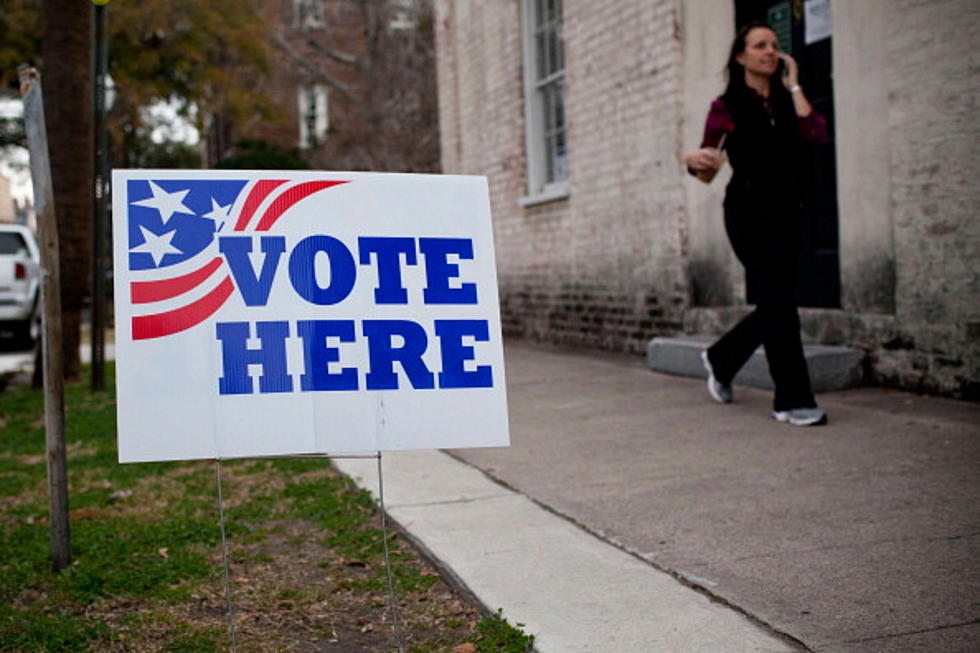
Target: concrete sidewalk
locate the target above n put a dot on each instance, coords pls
(632, 513)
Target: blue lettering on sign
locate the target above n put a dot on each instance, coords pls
(384, 353)
(441, 274)
(318, 355)
(237, 356)
(455, 354)
(390, 345)
(388, 252)
(254, 289)
(394, 350)
(438, 270)
(302, 270)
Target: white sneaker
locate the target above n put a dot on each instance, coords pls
(801, 416)
(719, 391)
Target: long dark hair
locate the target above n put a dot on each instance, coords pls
(738, 96)
(736, 87)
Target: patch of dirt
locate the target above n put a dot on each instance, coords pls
(292, 593)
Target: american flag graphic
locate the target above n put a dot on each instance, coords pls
(179, 277)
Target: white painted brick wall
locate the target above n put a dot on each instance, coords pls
(604, 267)
(935, 167)
(607, 266)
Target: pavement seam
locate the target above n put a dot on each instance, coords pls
(446, 572)
(832, 547)
(682, 579)
(913, 632)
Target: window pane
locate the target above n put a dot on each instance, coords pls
(554, 52)
(559, 106)
(549, 160)
(553, 132)
(561, 156)
(12, 243)
(547, 109)
(541, 51)
(539, 17)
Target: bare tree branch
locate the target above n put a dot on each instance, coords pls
(336, 55)
(315, 72)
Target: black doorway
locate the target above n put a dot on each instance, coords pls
(819, 275)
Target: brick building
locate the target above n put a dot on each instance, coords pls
(579, 116)
(353, 82)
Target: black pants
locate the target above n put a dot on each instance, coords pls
(766, 242)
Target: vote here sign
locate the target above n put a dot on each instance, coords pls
(276, 313)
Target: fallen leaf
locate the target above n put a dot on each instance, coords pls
(465, 647)
(164, 553)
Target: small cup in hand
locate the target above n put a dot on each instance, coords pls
(708, 174)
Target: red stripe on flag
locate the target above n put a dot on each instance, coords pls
(290, 197)
(259, 192)
(180, 319)
(143, 292)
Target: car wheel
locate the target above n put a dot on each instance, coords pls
(26, 333)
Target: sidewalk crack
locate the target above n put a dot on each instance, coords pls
(449, 502)
(913, 632)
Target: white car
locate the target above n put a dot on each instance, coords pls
(20, 280)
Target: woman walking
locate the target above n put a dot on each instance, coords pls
(761, 121)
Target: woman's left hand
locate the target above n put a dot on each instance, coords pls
(791, 72)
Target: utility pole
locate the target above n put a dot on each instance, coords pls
(52, 344)
(100, 66)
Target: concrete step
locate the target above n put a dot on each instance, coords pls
(831, 368)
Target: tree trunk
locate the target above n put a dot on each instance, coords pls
(66, 56)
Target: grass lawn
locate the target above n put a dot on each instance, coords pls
(304, 544)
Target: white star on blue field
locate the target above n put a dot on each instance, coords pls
(171, 220)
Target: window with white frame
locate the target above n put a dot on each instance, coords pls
(313, 117)
(308, 14)
(544, 100)
(402, 14)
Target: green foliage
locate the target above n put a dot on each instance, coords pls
(144, 153)
(113, 556)
(343, 510)
(259, 155)
(209, 53)
(41, 630)
(205, 55)
(199, 640)
(495, 634)
(157, 546)
(117, 557)
(20, 38)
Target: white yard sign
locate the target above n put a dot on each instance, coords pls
(276, 313)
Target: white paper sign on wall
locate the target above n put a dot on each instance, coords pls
(817, 21)
(281, 312)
